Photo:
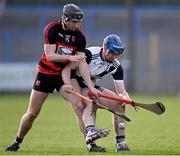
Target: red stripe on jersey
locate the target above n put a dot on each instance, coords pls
(50, 64)
(46, 30)
(68, 46)
(46, 71)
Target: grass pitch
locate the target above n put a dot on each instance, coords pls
(55, 131)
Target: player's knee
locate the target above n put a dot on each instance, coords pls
(31, 115)
(120, 108)
(79, 107)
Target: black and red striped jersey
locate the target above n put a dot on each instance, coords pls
(67, 43)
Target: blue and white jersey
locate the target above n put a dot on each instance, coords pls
(99, 68)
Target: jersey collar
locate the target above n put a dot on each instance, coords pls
(101, 54)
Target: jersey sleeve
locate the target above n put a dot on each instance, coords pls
(50, 34)
(118, 75)
(81, 43)
(88, 56)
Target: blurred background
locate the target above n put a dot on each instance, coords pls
(150, 30)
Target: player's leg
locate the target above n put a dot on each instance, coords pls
(36, 100)
(89, 117)
(78, 107)
(35, 103)
(119, 123)
(76, 103)
(43, 85)
(89, 114)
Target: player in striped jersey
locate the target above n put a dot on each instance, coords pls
(62, 40)
(103, 61)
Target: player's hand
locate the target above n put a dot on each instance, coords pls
(124, 96)
(76, 58)
(68, 88)
(93, 92)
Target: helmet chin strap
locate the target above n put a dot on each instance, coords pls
(64, 25)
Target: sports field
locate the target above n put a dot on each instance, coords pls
(55, 131)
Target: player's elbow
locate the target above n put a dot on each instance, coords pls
(50, 57)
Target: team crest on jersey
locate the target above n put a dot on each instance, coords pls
(73, 38)
(67, 38)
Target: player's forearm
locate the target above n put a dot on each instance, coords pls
(84, 71)
(120, 88)
(57, 58)
(52, 56)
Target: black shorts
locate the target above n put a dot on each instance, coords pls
(47, 83)
(83, 86)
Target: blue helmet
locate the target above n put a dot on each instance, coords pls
(114, 44)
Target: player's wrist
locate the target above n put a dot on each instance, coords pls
(90, 87)
(67, 83)
(120, 95)
(67, 58)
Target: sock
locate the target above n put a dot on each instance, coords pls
(19, 140)
(120, 139)
(90, 128)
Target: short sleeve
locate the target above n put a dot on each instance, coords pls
(88, 56)
(118, 75)
(81, 42)
(50, 34)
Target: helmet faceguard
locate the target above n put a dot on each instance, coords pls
(114, 44)
(73, 12)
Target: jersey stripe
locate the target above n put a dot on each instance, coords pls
(95, 56)
(115, 64)
(118, 80)
(43, 65)
(50, 64)
(46, 71)
(47, 67)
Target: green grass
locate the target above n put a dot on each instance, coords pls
(55, 131)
